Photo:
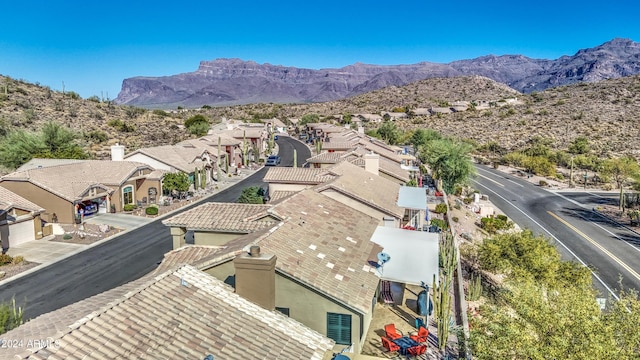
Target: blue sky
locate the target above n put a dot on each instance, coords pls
(92, 46)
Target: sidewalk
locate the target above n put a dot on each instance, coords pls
(45, 252)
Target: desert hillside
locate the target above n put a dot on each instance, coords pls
(606, 112)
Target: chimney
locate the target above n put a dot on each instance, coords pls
(372, 163)
(361, 129)
(256, 277)
(117, 152)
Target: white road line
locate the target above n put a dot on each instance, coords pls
(556, 239)
(491, 180)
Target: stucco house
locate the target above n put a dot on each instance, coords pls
(365, 191)
(19, 219)
(320, 256)
(181, 313)
(175, 158)
(230, 152)
(94, 185)
(286, 179)
(216, 223)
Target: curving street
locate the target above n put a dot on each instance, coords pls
(610, 250)
(124, 258)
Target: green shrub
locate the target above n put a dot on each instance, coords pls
(67, 237)
(441, 208)
(151, 210)
(543, 183)
(493, 224)
(18, 260)
(129, 207)
(439, 223)
(455, 219)
(5, 259)
(467, 200)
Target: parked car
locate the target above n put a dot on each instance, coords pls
(272, 160)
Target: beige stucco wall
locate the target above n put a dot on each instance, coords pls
(222, 271)
(215, 239)
(306, 306)
(311, 308)
(355, 204)
(50, 202)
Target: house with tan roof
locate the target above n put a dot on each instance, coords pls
(225, 150)
(182, 313)
(19, 220)
(175, 158)
(94, 185)
(320, 255)
(216, 224)
(365, 191)
(294, 179)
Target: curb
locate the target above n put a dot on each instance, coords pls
(102, 241)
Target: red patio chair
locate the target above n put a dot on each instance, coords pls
(421, 336)
(392, 333)
(417, 350)
(389, 345)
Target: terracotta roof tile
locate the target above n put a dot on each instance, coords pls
(185, 314)
(231, 217)
(280, 194)
(319, 231)
(326, 158)
(297, 175)
(370, 189)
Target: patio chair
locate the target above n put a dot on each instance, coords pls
(391, 332)
(389, 345)
(385, 292)
(422, 335)
(417, 350)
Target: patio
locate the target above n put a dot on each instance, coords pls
(403, 314)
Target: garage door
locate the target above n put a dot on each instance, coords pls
(21, 232)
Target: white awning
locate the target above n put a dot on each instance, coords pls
(410, 197)
(413, 255)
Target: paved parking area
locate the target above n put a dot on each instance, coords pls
(45, 252)
(120, 221)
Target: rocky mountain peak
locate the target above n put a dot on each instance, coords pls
(231, 81)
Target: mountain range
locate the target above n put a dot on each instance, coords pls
(224, 82)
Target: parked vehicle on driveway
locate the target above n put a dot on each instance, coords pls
(272, 160)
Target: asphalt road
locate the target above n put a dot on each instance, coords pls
(121, 260)
(610, 250)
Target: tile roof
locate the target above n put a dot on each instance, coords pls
(184, 314)
(186, 255)
(380, 150)
(326, 158)
(57, 322)
(297, 175)
(225, 217)
(372, 190)
(317, 233)
(185, 159)
(40, 163)
(70, 181)
(385, 166)
(280, 194)
(338, 145)
(200, 143)
(9, 200)
(224, 136)
(325, 245)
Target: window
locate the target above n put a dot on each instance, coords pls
(339, 328)
(283, 310)
(127, 195)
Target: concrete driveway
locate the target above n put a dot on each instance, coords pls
(120, 221)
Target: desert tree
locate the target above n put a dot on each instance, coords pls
(623, 171)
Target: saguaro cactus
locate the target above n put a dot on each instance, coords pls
(196, 179)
